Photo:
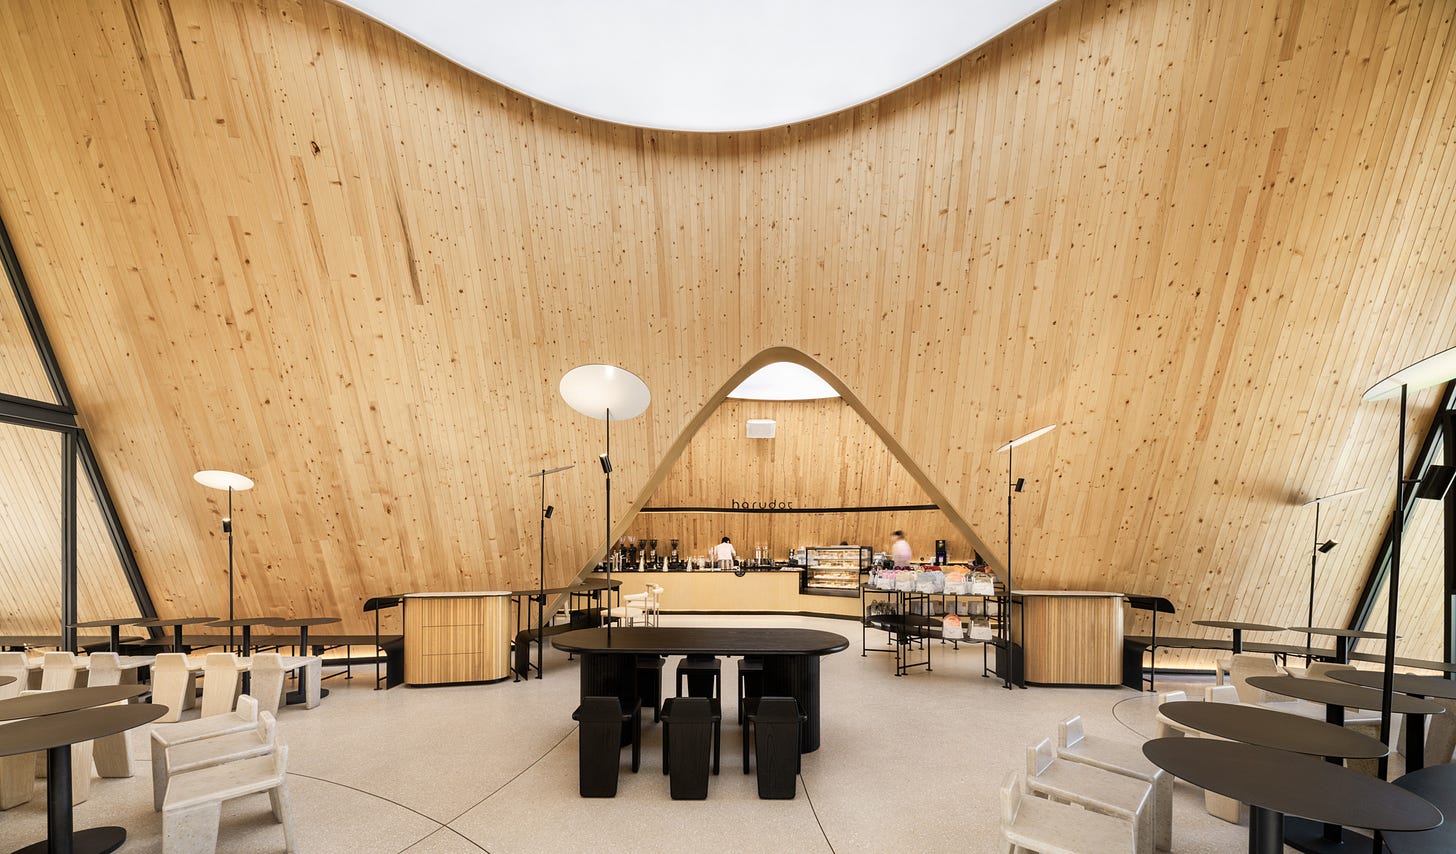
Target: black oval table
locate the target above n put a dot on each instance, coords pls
(1436, 784)
(1276, 783)
(1238, 628)
(113, 625)
(1412, 685)
(76, 717)
(176, 624)
(1270, 728)
(1342, 638)
(790, 656)
(6, 680)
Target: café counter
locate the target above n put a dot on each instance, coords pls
(757, 591)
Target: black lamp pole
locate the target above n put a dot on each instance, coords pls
(1313, 563)
(227, 527)
(1006, 618)
(607, 552)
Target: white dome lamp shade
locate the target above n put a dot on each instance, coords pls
(1429, 371)
(607, 393)
(232, 482)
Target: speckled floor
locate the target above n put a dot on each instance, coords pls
(906, 764)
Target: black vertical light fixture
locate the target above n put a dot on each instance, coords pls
(1319, 549)
(610, 394)
(1013, 486)
(1429, 371)
(232, 482)
(540, 597)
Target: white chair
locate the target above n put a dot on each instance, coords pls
(1167, 727)
(1074, 745)
(194, 801)
(268, 678)
(1092, 789)
(61, 671)
(17, 773)
(222, 678)
(1244, 666)
(243, 719)
(1220, 671)
(654, 602)
(111, 754)
(310, 669)
(1216, 805)
(1220, 694)
(633, 608)
(174, 685)
(217, 750)
(15, 664)
(1052, 828)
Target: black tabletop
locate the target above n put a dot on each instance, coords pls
(1292, 784)
(1402, 661)
(119, 621)
(299, 622)
(47, 703)
(64, 728)
(1436, 784)
(1342, 694)
(588, 586)
(685, 640)
(1405, 683)
(1338, 633)
(1246, 627)
(159, 622)
(1280, 730)
(245, 621)
(6, 680)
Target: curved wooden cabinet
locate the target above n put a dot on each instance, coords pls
(1070, 637)
(456, 637)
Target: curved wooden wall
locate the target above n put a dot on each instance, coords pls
(277, 238)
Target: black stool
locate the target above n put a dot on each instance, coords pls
(777, 724)
(750, 680)
(704, 675)
(649, 683)
(691, 729)
(599, 749)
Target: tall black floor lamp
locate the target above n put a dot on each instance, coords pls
(232, 482)
(610, 394)
(1013, 486)
(1318, 549)
(1423, 374)
(540, 596)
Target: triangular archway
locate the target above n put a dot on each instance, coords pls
(921, 481)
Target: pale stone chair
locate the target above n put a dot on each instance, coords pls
(61, 671)
(1074, 745)
(222, 679)
(1092, 789)
(111, 754)
(194, 800)
(1220, 694)
(1242, 667)
(269, 680)
(244, 719)
(174, 685)
(14, 664)
(1167, 727)
(1441, 734)
(218, 749)
(1040, 825)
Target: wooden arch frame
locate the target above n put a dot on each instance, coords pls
(789, 354)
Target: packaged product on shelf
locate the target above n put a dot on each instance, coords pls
(983, 584)
(955, 582)
(980, 628)
(950, 627)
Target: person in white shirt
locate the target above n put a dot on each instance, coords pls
(901, 551)
(723, 554)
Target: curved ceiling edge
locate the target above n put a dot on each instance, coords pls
(669, 65)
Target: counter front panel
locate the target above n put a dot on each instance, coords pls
(456, 637)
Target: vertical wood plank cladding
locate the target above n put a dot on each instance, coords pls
(456, 639)
(1070, 640)
(1191, 234)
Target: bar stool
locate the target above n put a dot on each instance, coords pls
(704, 675)
(777, 726)
(649, 683)
(599, 744)
(691, 730)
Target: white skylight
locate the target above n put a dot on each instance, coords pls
(783, 381)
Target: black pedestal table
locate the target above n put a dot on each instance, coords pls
(1279, 730)
(1238, 628)
(1275, 783)
(114, 625)
(790, 660)
(1411, 685)
(1342, 638)
(176, 624)
(296, 696)
(53, 721)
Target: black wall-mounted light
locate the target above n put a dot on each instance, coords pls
(1436, 483)
(550, 508)
(1020, 482)
(1327, 546)
(606, 464)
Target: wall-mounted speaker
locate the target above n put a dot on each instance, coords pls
(762, 428)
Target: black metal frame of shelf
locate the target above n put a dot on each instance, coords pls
(901, 638)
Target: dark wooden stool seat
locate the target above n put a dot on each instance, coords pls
(691, 731)
(704, 675)
(599, 748)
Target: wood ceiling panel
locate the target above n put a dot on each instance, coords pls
(276, 238)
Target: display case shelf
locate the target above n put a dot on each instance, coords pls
(834, 570)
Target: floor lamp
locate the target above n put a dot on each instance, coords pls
(540, 596)
(1318, 549)
(1013, 486)
(232, 482)
(1423, 374)
(610, 394)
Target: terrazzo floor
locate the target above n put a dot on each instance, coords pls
(906, 764)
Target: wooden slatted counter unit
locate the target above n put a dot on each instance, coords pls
(456, 637)
(1070, 638)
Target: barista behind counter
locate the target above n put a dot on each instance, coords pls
(762, 589)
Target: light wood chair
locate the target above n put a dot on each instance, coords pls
(111, 754)
(222, 679)
(174, 685)
(269, 681)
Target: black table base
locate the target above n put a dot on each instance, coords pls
(95, 840)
